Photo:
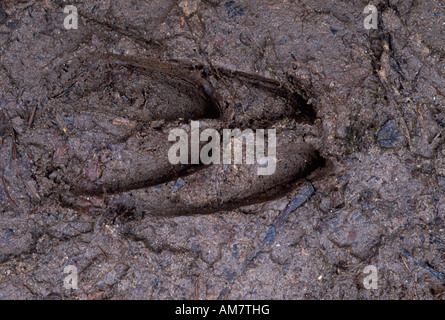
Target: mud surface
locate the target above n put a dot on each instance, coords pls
(85, 179)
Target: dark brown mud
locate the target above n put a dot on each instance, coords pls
(224, 187)
(85, 179)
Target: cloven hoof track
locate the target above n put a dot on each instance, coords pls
(134, 173)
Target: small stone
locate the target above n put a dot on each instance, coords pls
(438, 220)
(157, 124)
(334, 31)
(52, 176)
(178, 185)
(337, 199)
(234, 9)
(14, 24)
(388, 133)
(360, 236)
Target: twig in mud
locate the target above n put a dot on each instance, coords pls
(305, 192)
(423, 265)
(196, 287)
(438, 91)
(64, 91)
(104, 253)
(6, 190)
(406, 265)
(32, 115)
(30, 189)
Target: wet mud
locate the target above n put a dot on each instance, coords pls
(85, 117)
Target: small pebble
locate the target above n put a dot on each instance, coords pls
(388, 134)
